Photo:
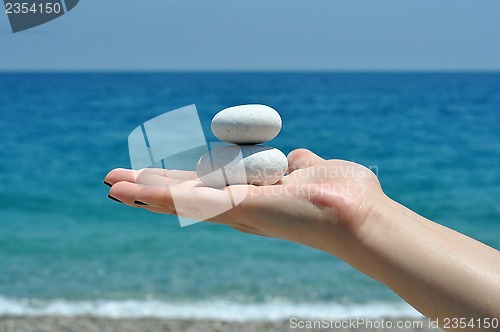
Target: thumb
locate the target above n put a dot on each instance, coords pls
(302, 158)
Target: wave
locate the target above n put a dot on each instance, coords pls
(217, 310)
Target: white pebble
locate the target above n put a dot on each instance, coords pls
(246, 164)
(246, 124)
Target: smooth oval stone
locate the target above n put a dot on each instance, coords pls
(246, 124)
(245, 164)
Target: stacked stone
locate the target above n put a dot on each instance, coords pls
(244, 162)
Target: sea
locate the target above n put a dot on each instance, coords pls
(66, 249)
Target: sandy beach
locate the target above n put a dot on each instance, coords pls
(93, 324)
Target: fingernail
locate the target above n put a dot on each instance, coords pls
(108, 184)
(114, 199)
(139, 203)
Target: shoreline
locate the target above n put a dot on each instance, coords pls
(216, 310)
(95, 324)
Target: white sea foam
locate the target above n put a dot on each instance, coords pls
(218, 310)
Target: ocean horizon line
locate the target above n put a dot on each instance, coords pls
(257, 71)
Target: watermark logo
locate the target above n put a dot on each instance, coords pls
(27, 14)
(166, 150)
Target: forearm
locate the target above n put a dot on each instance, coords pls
(442, 273)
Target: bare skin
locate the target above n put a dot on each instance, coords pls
(339, 207)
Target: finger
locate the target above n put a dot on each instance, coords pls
(160, 210)
(128, 175)
(169, 173)
(200, 203)
(120, 174)
(136, 195)
(160, 197)
(155, 180)
(302, 158)
(185, 199)
(125, 192)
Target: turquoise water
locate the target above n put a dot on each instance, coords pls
(434, 138)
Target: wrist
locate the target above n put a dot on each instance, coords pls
(364, 238)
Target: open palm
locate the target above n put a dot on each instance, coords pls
(316, 196)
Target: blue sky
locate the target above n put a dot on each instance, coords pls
(261, 35)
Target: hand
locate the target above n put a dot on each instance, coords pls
(311, 205)
(339, 207)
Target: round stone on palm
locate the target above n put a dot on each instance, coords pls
(244, 162)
